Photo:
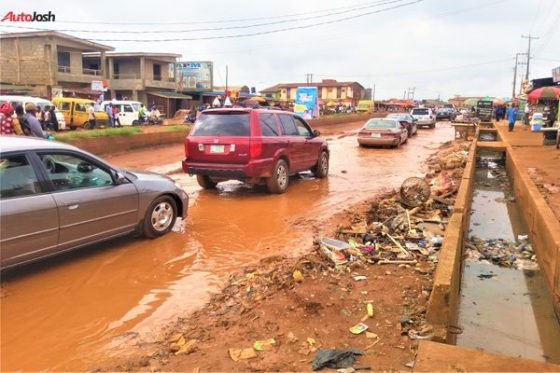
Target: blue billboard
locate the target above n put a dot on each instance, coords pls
(306, 104)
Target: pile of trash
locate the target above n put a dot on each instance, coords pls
(504, 253)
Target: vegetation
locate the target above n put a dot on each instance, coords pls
(107, 132)
(177, 127)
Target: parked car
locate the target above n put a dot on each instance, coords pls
(55, 198)
(424, 116)
(254, 146)
(75, 111)
(407, 121)
(445, 113)
(383, 131)
(39, 102)
(365, 106)
(128, 111)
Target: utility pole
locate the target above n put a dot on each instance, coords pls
(309, 78)
(373, 99)
(528, 53)
(515, 73)
(225, 93)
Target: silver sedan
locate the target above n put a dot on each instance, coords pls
(55, 197)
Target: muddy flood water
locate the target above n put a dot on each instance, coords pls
(69, 312)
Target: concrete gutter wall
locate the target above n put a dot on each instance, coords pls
(118, 144)
(442, 310)
(544, 228)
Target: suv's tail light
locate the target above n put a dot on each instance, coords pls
(255, 149)
(186, 148)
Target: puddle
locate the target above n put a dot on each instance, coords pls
(504, 310)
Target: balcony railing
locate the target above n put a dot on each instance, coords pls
(157, 77)
(126, 76)
(64, 69)
(91, 72)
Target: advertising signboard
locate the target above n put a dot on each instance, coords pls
(97, 85)
(194, 75)
(306, 104)
(556, 74)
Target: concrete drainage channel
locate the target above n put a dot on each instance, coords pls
(505, 306)
(495, 309)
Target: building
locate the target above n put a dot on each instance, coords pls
(329, 90)
(459, 101)
(145, 77)
(48, 61)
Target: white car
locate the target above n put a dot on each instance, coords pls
(40, 102)
(128, 111)
(425, 117)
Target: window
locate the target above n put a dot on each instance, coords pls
(222, 124)
(302, 127)
(127, 109)
(63, 61)
(420, 112)
(63, 106)
(157, 71)
(70, 171)
(116, 69)
(288, 126)
(17, 177)
(268, 125)
(79, 107)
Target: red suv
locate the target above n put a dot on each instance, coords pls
(254, 146)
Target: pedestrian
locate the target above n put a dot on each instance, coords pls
(8, 124)
(141, 114)
(109, 111)
(116, 116)
(512, 116)
(527, 113)
(34, 124)
(53, 121)
(23, 124)
(91, 117)
(42, 117)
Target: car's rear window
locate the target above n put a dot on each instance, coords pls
(420, 112)
(222, 124)
(381, 123)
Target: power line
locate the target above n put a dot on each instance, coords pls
(377, 4)
(218, 21)
(260, 32)
(528, 52)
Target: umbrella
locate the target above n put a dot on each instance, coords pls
(331, 103)
(551, 93)
(498, 101)
(258, 99)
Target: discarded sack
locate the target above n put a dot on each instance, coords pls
(335, 358)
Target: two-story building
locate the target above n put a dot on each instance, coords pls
(46, 63)
(329, 90)
(48, 60)
(145, 77)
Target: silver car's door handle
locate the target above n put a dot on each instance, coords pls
(72, 205)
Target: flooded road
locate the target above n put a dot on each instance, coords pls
(68, 312)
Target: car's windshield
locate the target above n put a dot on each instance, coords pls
(222, 124)
(380, 123)
(420, 111)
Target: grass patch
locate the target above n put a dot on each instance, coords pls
(107, 132)
(177, 127)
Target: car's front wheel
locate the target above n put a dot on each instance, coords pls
(160, 217)
(278, 182)
(321, 170)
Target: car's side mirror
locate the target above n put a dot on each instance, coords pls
(118, 178)
(316, 133)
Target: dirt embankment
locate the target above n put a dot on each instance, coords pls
(281, 312)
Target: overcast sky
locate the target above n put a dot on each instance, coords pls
(440, 47)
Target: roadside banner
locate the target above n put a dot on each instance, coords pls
(306, 104)
(556, 74)
(97, 85)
